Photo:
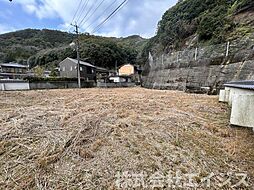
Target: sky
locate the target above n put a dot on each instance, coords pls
(136, 17)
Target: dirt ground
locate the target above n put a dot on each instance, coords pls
(121, 139)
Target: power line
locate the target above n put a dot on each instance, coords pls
(85, 4)
(97, 18)
(90, 16)
(98, 27)
(76, 11)
(89, 10)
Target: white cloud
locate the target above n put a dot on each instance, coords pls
(137, 17)
(5, 29)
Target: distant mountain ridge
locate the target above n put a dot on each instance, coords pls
(48, 47)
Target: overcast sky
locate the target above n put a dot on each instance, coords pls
(136, 17)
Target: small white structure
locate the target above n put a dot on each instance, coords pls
(8, 85)
(224, 95)
(235, 91)
(242, 113)
(240, 96)
(120, 79)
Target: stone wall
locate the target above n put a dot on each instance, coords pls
(59, 85)
(201, 68)
(116, 85)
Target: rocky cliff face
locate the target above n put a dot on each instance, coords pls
(191, 26)
(202, 68)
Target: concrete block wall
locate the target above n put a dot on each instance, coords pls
(59, 85)
(209, 68)
(213, 76)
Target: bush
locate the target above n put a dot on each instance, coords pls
(212, 24)
(208, 18)
(51, 79)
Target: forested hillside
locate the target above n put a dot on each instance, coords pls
(19, 46)
(189, 23)
(48, 47)
(197, 22)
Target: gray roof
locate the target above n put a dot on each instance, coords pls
(81, 62)
(249, 85)
(88, 64)
(13, 65)
(102, 69)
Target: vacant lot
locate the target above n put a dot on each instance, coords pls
(91, 138)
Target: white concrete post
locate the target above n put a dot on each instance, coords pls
(196, 53)
(227, 52)
(3, 87)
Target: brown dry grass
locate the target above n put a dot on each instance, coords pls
(79, 139)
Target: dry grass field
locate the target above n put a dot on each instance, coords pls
(86, 139)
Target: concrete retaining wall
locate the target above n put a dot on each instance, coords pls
(116, 85)
(210, 66)
(195, 77)
(59, 85)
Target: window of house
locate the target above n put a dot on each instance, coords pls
(89, 70)
(63, 68)
(81, 69)
(71, 68)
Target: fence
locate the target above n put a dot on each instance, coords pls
(186, 56)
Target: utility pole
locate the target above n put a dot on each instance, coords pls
(116, 67)
(78, 56)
